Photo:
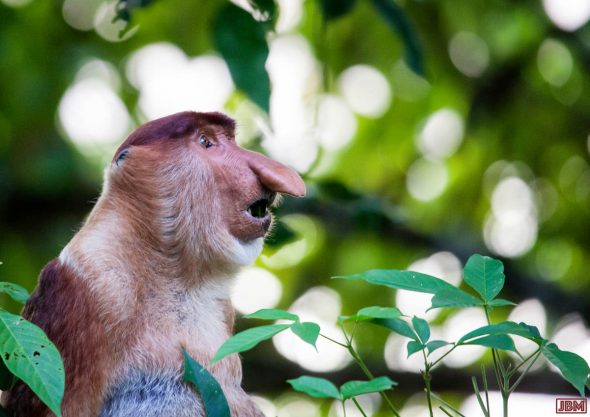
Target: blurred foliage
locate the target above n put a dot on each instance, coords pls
(516, 83)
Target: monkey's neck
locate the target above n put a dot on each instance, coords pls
(133, 239)
(140, 292)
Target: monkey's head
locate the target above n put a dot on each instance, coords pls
(192, 190)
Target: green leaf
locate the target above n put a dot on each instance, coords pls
(505, 327)
(454, 297)
(308, 332)
(207, 386)
(402, 280)
(353, 388)
(573, 367)
(332, 9)
(374, 312)
(435, 344)
(497, 341)
(272, 314)
(533, 331)
(397, 325)
(242, 43)
(500, 302)
(29, 355)
(485, 275)
(16, 292)
(422, 328)
(414, 346)
(247, 339)
(395, 17)
(315, 387)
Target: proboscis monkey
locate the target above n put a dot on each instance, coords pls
(182, 208)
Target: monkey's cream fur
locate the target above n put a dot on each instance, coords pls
(150, 272)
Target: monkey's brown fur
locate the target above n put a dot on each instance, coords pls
(149, 272)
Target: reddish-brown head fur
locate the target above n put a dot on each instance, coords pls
(188, 171)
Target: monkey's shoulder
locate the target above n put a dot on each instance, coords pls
(60, 296)
(62, 305)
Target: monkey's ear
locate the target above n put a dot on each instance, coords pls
(122, 155)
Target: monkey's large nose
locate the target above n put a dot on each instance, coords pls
(275, 176)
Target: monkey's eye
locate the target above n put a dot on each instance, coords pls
(205, 142)
(121, 156)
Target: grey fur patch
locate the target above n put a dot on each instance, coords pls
(152, 395)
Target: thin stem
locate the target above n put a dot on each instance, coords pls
(443, 356)
(426, 378)
(517, 367)
(359, 406)
(359, 361)
(445, 411)
(495, 358)
(520, 378)
(485, 385)
(343, 408)
(484, 410)
(333, 341)
(505, 404)
(436, 397)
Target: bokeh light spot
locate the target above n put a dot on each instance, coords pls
(469, 53)
(255, 288)
(532, 313)
(92, 114)
(426, 179)
(295, 77)
(568, 14)
(169, 82)
(455, 327)
(511, 229)
(441, 134)
(79, 14)
(366, 90)
(336, 123)
(320, 305)
(555, 62)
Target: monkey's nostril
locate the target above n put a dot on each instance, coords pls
(259, 208)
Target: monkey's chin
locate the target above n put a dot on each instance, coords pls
(244, 253)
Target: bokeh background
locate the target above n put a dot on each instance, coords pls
(426, 131)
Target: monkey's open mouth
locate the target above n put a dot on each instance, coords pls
(260, 208)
